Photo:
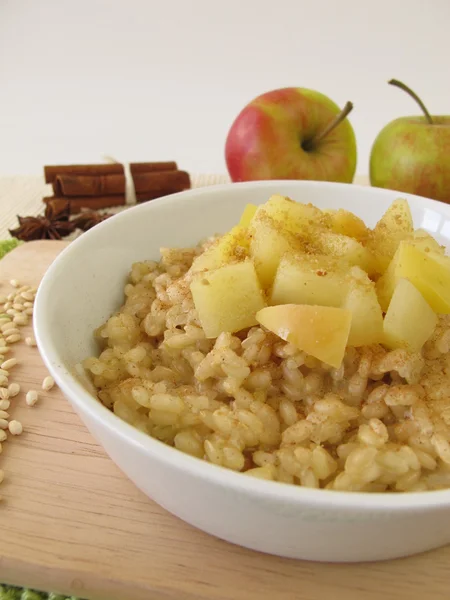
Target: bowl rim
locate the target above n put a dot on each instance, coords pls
(199, 468)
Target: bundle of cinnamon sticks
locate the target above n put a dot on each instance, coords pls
(103, 186)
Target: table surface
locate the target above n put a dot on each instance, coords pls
(71, 522)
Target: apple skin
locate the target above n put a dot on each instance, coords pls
(265, 140)
(410, 155)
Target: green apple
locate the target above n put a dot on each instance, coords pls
(412, 154)
(292, 133)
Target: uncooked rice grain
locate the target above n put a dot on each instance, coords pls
(12, 339)
(31, 397)
(9, 364)
(15, 427)
(255, 404)
(13, 389)
(48, 383)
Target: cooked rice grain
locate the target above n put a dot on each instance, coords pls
(252, 403)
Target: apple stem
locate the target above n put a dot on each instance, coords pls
(309, 144)
(413, 95)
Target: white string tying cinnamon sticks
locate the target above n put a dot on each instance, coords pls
(130, 190)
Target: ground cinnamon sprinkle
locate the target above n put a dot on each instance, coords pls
(253, 403)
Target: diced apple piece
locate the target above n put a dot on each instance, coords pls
(231, 247)
(270, 240)
(321, 331)
(423, 240)
(347, 248)
(247, 215)
(410, 320)
(428, 271)
(386, 283)
(228, 298)
(394, 226)
(367, 318)
(396, 218)
(309, 279)
(346, 223)
(442, 259)
(295, 216)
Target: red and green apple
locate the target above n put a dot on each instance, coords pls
(292, 133)
(412, 154)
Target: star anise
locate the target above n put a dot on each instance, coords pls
(88, 219)
(54, 224)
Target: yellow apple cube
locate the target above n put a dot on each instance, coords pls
(294, 216)
(231, 247)
(410, 320)
(367, 318)
(423, 240)
(428, 271)
(346, 223)
(247, 215)
(348, 249)
(228, 298)
(270, 240)
(397, 218)
(309, 279)
(321, 331)
(394, 226)
(385, 285)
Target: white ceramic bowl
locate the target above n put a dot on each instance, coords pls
(85, 284)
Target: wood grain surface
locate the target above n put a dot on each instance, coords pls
(71, 522)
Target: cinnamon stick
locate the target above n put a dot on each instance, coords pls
(107, 185)
(77, 203)
(51, 171)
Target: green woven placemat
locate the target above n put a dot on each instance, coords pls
(8, 245)
(8, 592)
(14, 593)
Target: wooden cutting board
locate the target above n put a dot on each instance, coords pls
(71, 522)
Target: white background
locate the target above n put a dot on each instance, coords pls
(154, 80)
